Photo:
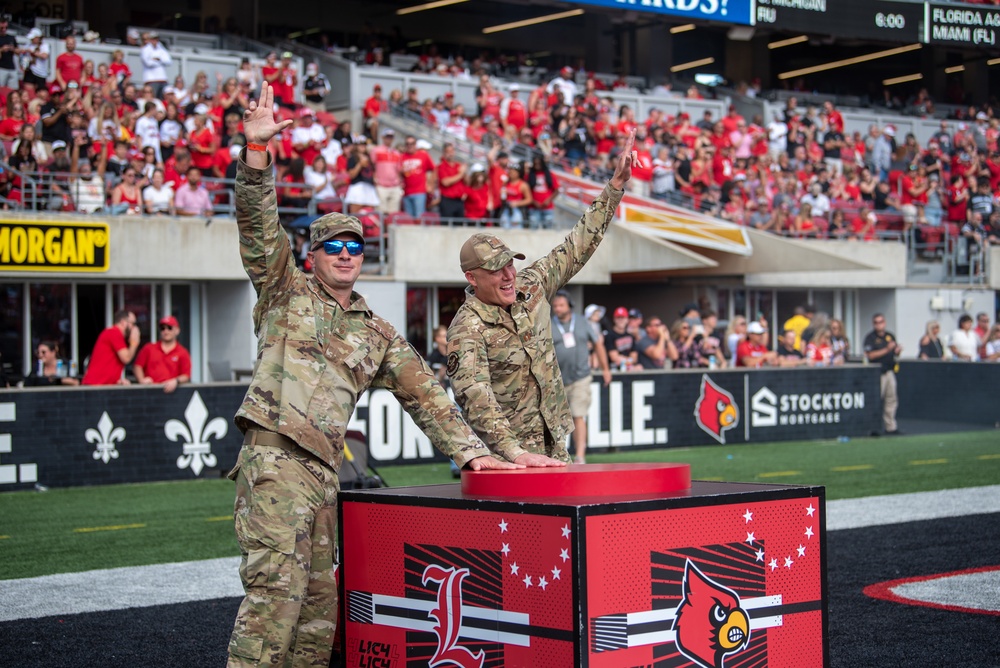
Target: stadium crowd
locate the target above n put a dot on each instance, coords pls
(697, 339)
(95, 136)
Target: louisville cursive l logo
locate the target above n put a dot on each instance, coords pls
(448, 615)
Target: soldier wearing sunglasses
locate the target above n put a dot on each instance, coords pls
(319, 347)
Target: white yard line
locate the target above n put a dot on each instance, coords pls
(164, 584)
(119, 588)
(873, 511)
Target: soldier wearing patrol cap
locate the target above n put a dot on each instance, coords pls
(501, 358)
(319, 347)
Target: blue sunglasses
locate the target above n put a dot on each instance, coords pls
(335, 246)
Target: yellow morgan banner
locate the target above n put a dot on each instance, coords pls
(33, 245)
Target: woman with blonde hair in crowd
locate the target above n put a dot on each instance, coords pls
(839, 342)
(736, 331)
(819, 350)
(992, 347)
(802, 224)
(105, 119)
(930, 347)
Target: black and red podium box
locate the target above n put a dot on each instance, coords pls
(598, 565)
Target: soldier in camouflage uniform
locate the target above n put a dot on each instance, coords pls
(500, 356)
(319, 347)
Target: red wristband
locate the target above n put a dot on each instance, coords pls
(256, 147)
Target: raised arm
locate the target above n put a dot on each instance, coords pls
(267, 256)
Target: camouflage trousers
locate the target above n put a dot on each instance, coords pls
(286, 525)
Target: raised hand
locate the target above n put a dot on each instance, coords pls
(259, 125)
(628, 157)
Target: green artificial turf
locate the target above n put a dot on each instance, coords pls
(85, 528)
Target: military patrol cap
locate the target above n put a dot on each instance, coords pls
(486, 251)
(332, 224)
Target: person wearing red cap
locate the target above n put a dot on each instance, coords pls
(619, 342)
(165, 361)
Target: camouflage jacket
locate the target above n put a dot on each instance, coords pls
(502, 363)
(314, 358)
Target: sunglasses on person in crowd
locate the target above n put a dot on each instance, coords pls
(163, 327)
(335, 246)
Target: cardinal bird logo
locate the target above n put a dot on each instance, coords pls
(716, 411)
(709, 624)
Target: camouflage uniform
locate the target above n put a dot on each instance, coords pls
(502, 363)
(314, 358)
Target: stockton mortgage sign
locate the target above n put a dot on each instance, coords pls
(39, 245)
(679, 408)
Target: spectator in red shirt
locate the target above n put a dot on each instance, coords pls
(388, 173)
(512, 109)
(69, 65)
(499, 163)
(752, 352)
(544, 189)
(166, 361)
(417, 168)
(374, 106)
(833, 117)
(202, 141)
(111, 352)
(285, 81)
(451, 174)
(118, 68)
(477, 194)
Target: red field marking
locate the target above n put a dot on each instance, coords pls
(883, 590)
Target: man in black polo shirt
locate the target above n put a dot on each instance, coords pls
(881, 346)
(8, 48)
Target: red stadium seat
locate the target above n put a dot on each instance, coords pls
(430, 218)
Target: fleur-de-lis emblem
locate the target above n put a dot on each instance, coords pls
(105, 437)
(197, 451)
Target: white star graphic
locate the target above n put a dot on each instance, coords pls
(760, 555)
(527, 581)
(748, 516)
(565, 531)
(788, 562)
(750, 537)
(809, 532)
(801, 550)
(564, 554)
(555, 573)
(810, 510)
(542, 582)
(773, 564)
(505, 549)
(503, 526)
(513, 568)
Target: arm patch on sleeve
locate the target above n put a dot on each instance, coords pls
(452, 364)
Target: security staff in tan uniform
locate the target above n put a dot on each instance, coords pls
(319, 347)
(500, 356)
